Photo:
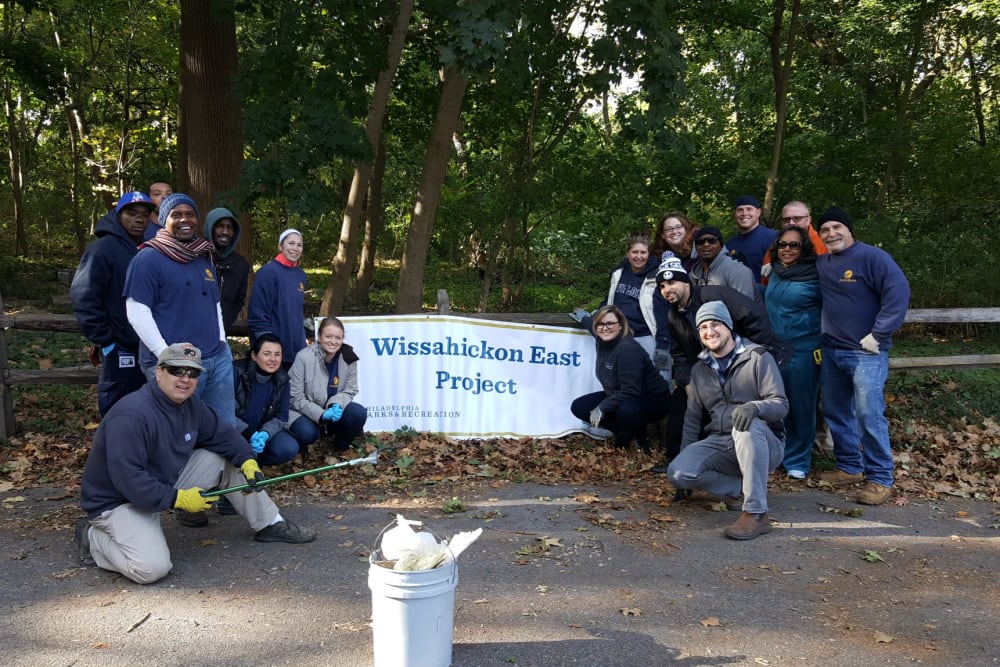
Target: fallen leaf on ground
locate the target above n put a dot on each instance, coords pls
(882, 638)
(711, 622)
(631, 611)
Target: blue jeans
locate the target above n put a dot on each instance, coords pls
(282, 447)
(854, 407)
(350, 425)
(801, 378)
(215, 385)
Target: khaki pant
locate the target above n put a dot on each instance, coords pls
(129, 541)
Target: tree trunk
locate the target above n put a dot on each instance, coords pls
(374, 223)
(211, 136)
(781, 71)
(977, 94)
(347, 250)
(409, 296)
(15, 164)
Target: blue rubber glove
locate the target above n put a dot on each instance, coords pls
(258, 440)
(333, 413)
(579, 314)
(107, 349)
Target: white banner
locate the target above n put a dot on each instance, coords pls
(464, 378)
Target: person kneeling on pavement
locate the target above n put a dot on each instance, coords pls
(159, 448)
(738, 384)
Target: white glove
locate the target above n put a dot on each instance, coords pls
(765, 270)
(595, 417)
(870, 344)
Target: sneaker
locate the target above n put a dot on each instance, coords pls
(285, 531)
(748, 526)
(597, 433)
(873, 494)
(81, 534)
(796, 474)
(840, 478)
(191, 519)
(224, 507)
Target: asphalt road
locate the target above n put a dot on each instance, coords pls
(561, 576)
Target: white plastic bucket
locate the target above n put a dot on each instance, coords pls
(413, 614)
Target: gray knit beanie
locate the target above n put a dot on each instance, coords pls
(714, 310)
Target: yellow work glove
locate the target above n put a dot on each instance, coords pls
(191, 500)
(252, 472)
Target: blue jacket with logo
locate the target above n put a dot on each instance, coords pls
(143, 444)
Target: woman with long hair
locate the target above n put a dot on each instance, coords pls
(324, 382)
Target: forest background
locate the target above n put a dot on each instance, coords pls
(503, 150)
(513, 141)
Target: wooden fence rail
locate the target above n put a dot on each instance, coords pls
(88, 374)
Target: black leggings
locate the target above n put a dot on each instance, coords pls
(631, 416)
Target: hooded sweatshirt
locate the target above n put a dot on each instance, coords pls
(231, 269)
(96, 291)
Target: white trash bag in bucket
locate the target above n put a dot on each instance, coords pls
(412, 574)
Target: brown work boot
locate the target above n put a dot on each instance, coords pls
(840, 478)
(748, 526)
(873, 494)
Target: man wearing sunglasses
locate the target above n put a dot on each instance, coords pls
(794, 214)
(715, 267)
(157, 449)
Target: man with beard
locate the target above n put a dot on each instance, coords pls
(172, 295)
(715, 267)
(224, 231)
(97, 298)
(738, 385)
(749, 320)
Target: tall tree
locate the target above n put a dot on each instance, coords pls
(210, 134)
(409, 295)
(781, 47)
(347, 250)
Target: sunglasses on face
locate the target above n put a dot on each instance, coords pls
(792, 219)
(179, 372)
(707, 240)
(794, 245)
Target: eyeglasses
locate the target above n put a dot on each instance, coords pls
(678, 228)
(179, 372)
(611, 324)
(793, 219)
(707, 240)
(794, 245)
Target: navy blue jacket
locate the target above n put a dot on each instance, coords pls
(143, 444)
(97, 287)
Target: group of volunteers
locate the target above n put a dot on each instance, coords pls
(156, 294)
(743, 344)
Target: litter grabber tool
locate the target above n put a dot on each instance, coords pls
(371, 458)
